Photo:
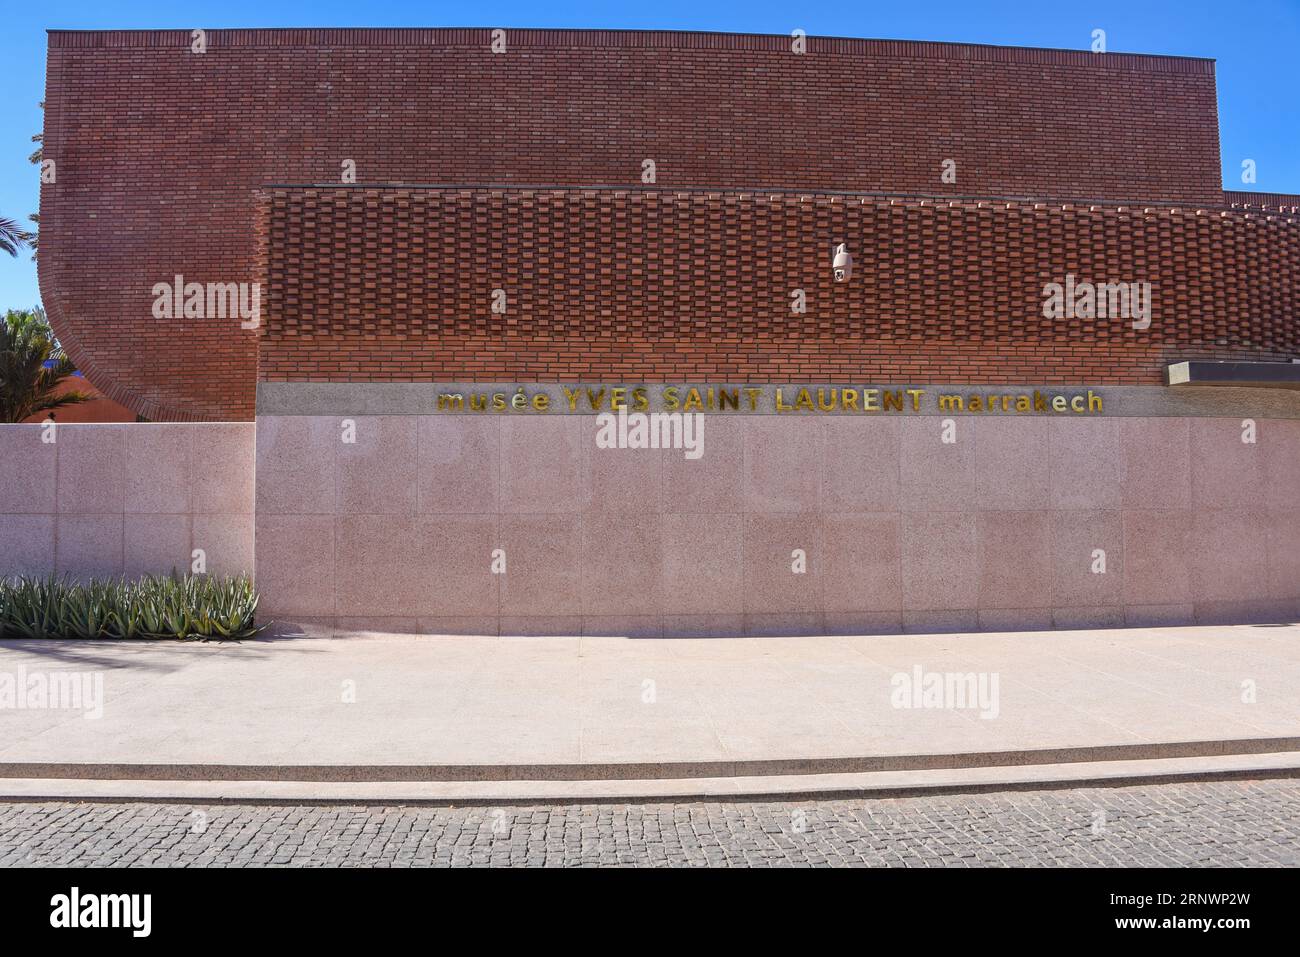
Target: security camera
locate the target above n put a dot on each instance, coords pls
(843, 264)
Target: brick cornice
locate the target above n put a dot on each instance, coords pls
(1283, 201)
(1286, 207)
(623, 39)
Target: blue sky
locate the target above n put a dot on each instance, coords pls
(1254, 41)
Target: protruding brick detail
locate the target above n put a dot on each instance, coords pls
(160, 152)
(1274, 202)
(380, 284)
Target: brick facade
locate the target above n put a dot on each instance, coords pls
(164, 156)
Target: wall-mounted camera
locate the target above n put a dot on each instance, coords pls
(843, 263)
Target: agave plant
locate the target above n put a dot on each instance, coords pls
(29, 608)
(188, 607)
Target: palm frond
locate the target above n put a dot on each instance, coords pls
(32, 366)
(12, 236)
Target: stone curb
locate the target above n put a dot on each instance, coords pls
(811, 787)
(647, 771)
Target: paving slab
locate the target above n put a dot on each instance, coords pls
(620, 708)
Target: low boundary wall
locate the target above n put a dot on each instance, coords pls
(102, 500)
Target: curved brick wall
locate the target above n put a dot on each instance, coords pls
(367, 284)
(159, 151)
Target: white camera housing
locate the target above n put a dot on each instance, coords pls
(843, 263)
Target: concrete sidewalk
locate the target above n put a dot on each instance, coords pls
(470, 718)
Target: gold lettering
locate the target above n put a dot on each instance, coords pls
(807, 399)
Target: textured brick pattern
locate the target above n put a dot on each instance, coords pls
(373, 284)
(1283, 202)
(160, 150)
(1239, 824)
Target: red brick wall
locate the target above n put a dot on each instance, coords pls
(368, 284)
(160, 150)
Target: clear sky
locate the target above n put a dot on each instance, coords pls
(1256, 44)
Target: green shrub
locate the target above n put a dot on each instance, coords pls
(154, 607)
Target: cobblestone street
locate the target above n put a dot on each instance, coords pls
(1225, 823)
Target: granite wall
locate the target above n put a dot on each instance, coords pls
(398, 530)
(103, 500)
(1001, 529)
